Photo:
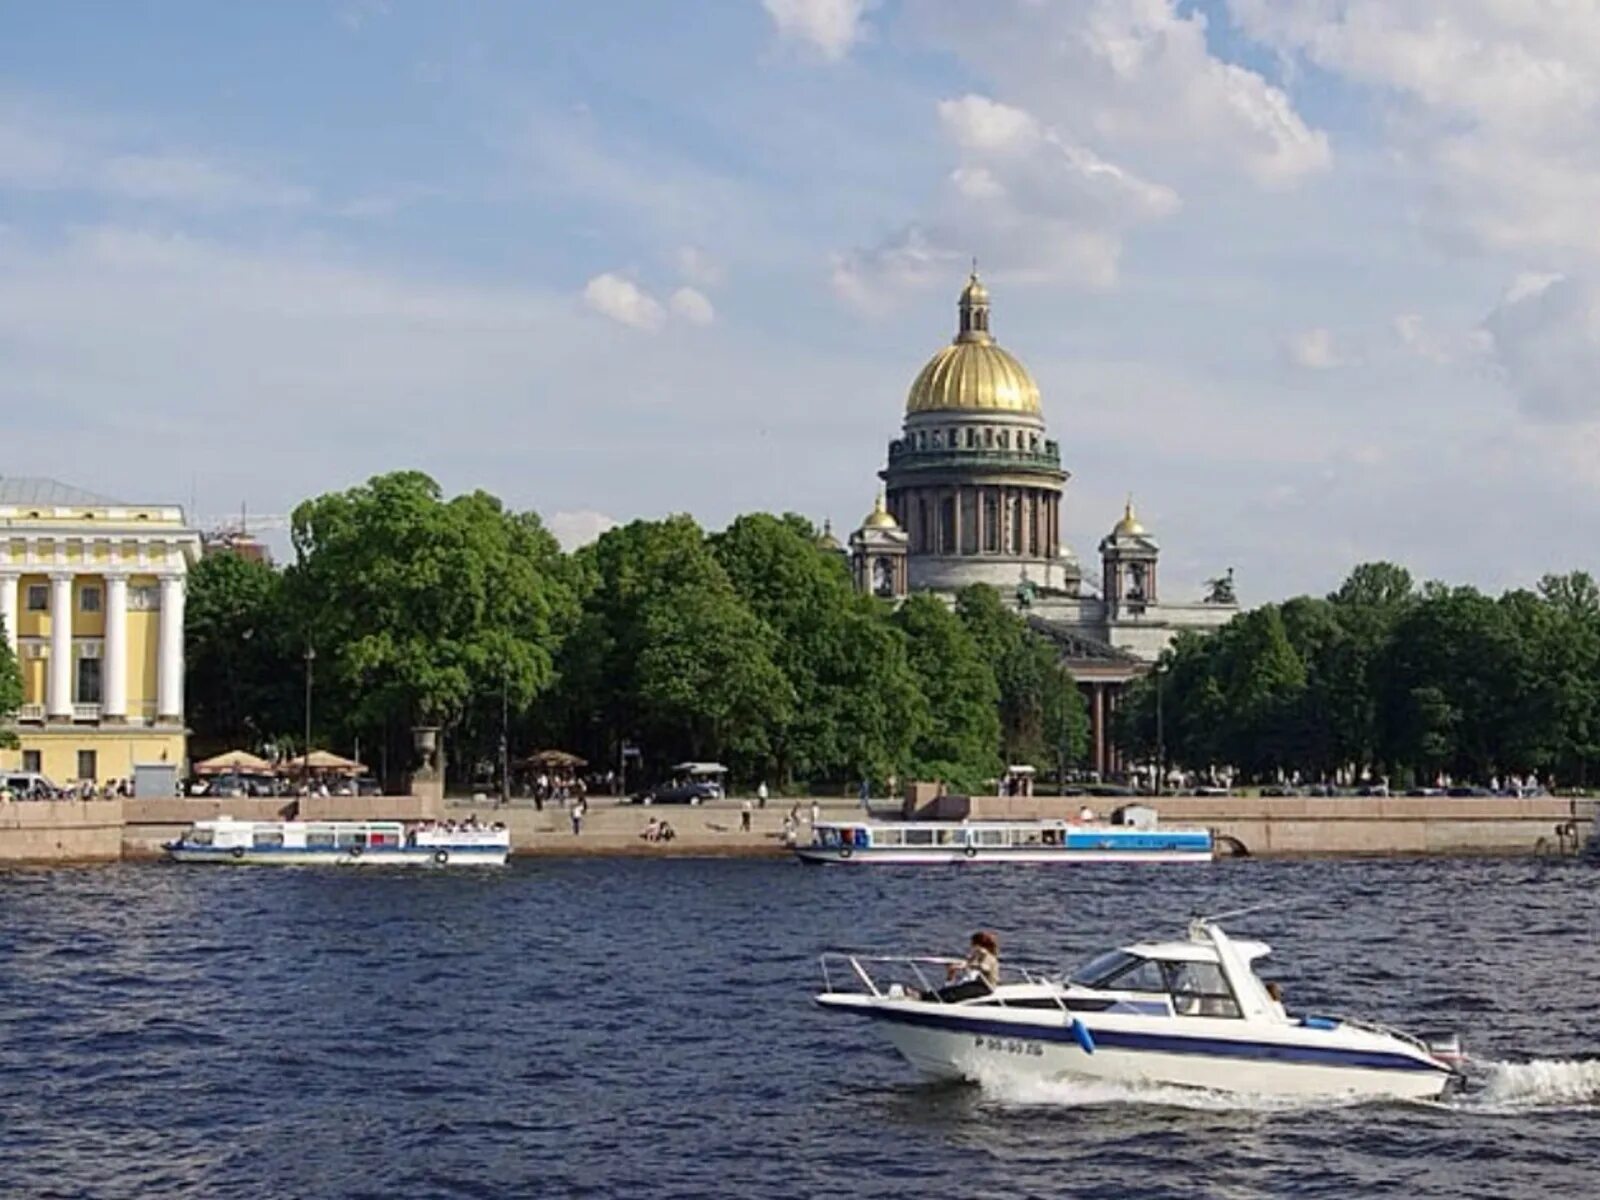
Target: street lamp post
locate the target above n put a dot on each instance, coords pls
(311, 658)
(505, 745)
(1161, 733)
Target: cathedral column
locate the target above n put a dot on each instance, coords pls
(955, 515)
(1099, 729)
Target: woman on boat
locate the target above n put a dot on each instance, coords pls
(976, 975)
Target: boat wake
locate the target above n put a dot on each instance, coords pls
(1495, 1088)
(1544, 1083)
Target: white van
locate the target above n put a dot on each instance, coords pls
(27, 785)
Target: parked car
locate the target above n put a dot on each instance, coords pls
(679, 792)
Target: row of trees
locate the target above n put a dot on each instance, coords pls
(749, 645)
(1385, 679)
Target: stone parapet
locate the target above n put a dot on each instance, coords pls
(38, 831)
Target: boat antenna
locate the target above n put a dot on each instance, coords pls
(1285, 902)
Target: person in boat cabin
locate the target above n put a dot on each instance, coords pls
(1275, 994)
(976, 975)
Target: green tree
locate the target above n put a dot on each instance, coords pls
(857, 706)
(425, 611)
(961, 741)
(668, 655)
(242, 668)
(1042, 716)
(10, 690)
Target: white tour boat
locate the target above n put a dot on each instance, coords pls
(1188, 1013)
(345, 843)
(1047, 841)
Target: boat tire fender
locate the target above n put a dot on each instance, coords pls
(845, 852)
(971, 852)
(355, 851)
(441, 857)
(238, 851)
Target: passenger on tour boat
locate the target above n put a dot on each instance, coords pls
(976, 975)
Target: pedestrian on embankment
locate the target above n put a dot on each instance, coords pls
(744, 817)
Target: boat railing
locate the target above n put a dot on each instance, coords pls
(880, 974)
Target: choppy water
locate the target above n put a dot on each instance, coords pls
(643, 1028)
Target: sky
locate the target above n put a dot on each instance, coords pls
(1313, 280)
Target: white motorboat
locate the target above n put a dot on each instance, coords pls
(1189, 1013)
(1041, 841)
(342, 843)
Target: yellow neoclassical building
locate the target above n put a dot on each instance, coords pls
(91, 596)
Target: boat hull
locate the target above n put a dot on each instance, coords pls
(944, 1045)
(1055, 855)
(405, 856)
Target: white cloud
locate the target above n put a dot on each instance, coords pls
(1033, 204)
(1546, 340)
(692, 306)
(831, 27)
(1491, 104)
(624, 301)
(1136, 76)
(46, 151)
(574, 529)
(698, 267)
(192, 181)
(1313, 350)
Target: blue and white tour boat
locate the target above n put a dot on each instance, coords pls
(980, 841)
(1189, 1013)
(343, 843)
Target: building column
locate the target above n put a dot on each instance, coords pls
(956, 505)
(59, 696)
(114, 668)
(169, 679)
(8, 607)
(1099, 729)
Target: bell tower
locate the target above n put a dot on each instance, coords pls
(1128, 557)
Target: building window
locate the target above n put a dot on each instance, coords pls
(33, 762)
(88, 681)
(89, 598)
(87, 767)
(144, 598)
(38, 597)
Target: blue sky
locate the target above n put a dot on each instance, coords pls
(1311, 278)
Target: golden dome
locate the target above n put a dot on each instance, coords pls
(826, 540)
(880, 517)
(1129, 525)
(972, 373)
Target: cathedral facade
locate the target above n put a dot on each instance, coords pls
(973, 492)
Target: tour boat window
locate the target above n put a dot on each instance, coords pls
(267, 837)
(1030, 837)
(888, 837)
(919, 837)
(202, 837)
(385, 839)
(349, 838)
(1199, 989)
(319, 837)
(987, 837)
(946, 836)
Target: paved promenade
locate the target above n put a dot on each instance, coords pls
(613, 827)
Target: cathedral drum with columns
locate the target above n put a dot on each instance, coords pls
(972, 480)
(973, 494)
(92, 599)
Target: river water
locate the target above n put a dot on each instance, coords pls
(638, 1028)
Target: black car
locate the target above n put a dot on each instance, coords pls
(679, 793)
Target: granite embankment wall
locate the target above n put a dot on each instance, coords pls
(105, 830)
(1304, 825)
(44, 831)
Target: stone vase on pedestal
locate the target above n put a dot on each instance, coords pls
(427, 779)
